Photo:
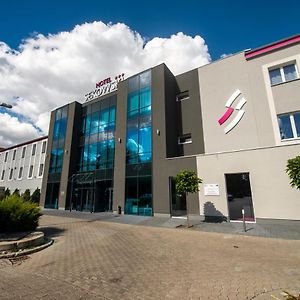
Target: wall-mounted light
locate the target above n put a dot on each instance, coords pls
(157, 131)
(120, 140)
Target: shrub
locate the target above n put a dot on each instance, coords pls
(26, 195)
(7, 192)
(35, 197)
(293, 170)
(18, 215)
(16, 192)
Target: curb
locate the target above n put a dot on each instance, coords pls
(28, 251)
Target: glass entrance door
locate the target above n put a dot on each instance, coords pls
(178, 202)
(239, 196)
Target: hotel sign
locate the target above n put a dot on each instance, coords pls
(104, 87)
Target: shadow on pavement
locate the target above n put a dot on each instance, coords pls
(51, 232)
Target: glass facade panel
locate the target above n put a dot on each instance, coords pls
(59, 134)
(138, 199)
(99, 142)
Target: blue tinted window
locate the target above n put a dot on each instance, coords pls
(102, 154)
(285, 127)
(92, 155)
(145, 97)
(133, 101)
(112, 114)
(145, 79)
(94, 122)
(297, 123)
(87, 124)
(275, 76)
(56, 130)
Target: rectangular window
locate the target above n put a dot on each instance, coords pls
(20, 173)
(11, 174)
(289, 125)
(23, 152)
(183, 96)
(33, 149)
(185, 139)
(3, 174)
(6, 155)
(41, 169)
(14, 154)
(283, 74)
(30, 171)
(44, 147)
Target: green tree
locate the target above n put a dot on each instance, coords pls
(293, 170)
(26, 195)
(35, 197)
(16, 192)
(7, 192)
(187, 182)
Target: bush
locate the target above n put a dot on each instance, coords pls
(293, 170)
(16, 192)
(18, 215)
(35, 197)
(26, 195)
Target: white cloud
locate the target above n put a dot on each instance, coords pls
(49, 71)
(14, 131)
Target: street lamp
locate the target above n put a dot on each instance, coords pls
(5, 105)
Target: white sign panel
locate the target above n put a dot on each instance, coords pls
(211, 189)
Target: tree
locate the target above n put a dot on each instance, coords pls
(16, 192)
(35, 197)
(7, 192)
(293, 170)
(187, 182)
(26, 195)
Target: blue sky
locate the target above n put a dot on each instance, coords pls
(226, 26)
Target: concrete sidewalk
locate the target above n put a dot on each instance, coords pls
(283, 229)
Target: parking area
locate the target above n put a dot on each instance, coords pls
(97, 259)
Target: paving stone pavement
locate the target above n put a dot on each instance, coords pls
(94, 259)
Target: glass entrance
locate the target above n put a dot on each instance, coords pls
(178, 202)
(239, 196)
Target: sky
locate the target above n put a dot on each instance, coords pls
(53, 52)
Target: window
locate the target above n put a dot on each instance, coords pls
(41, 169)
(14, 154)
(44, 147)
(30, 171)
(183, 96)
(3, 174)
(185, 139)
(11, 174)
(23, 152)
(283, 74)
(33, 149)
(5, 159)
(289, 126)
(20, 173)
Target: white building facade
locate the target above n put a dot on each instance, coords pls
(22, 166)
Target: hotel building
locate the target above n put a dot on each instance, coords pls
(235, 122)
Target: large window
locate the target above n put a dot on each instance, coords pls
(289, 125)
(283, 74)
(97, 146)
(139, 146)
(59, 133)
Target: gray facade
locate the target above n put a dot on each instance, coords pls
(228, 121)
